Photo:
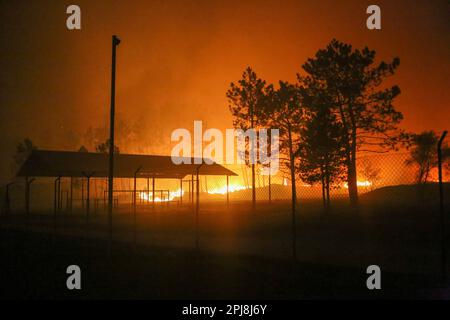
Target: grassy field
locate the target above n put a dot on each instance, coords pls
(242, 253)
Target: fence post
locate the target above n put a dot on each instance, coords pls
(441, 208)
(57, 187)
(270, 186)
(88, 203)
(197, 206)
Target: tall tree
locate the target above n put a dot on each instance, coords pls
(321, 152)
(83, 149)
(245, 98)
(362, 103)
(369, 172)
(283, 110)
(104, 147)
(423, 154)
(23, 150)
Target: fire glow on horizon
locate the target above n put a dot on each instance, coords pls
(360, 184)
(231, 188)
(147, 196)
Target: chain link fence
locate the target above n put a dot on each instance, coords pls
(384, 177)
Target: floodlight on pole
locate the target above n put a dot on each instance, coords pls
(115, 43)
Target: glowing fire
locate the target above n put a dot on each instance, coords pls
(176, 194)
(223, 190)
(172, 195)
(360, 184)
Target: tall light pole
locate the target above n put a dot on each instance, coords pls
(115, 43)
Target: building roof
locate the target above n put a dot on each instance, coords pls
(42, 163)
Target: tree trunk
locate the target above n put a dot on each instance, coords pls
(294, 196)
(353, 177)
(427, 172)
(327, 182)
(253, 187)
(352, 182)
(323, 192)
(253, 165)
(350, 150)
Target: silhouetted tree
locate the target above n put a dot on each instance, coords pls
(321, 152)
(446, 155)
(362, 106)
(83, 149)
(369, 172)
(129, 135)
(23, 150)
(78, 182)
(245, 98)
(104, 147)
(283, 110)
(423, 154)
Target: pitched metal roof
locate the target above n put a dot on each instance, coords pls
(42, 163)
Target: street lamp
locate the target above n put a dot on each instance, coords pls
(115, 43)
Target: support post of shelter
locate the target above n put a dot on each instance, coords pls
(71, 195)
(27, 197)
(153, 191)
(148, 190)
(104, 197)
(181, 191)
(228, 190)
(134, 209)
(28, 183)
(192, 188)
(197, 208)
(67, 201)
(59, 196)
(7, 209)
(82, 193)
(55, 211)
(88, 202)
(88, 195)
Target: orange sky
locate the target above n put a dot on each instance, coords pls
(177, 58)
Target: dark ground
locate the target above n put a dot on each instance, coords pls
(34, 272)
(243, 254)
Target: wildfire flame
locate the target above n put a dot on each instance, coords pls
(223, 190)
(149, 196)
(360, 184)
